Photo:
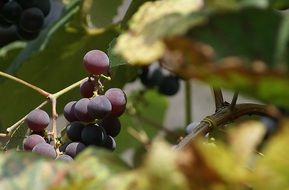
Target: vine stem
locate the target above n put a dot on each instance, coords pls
(63, 91)
(234, 100)
(188, 102)
(37, 89)
(218, 96)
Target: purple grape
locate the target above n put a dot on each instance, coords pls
(37, 120)
(31, 141)
(11, 11)
(31, 20)
(80, 110)
(68, 111)
(87, 88)
(74, 148)
(96, 62)
(117, 99)
(93, 135)
(99, 107)
(169, 86)
(64, 157)
(109, 143)
(64, 145)
(73, 131)
(45, 149)
(111, 125)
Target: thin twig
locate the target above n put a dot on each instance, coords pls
(54, 118)
(234, 100)
(63, 91)
(37, 89)
(218, 96)
(188, 102)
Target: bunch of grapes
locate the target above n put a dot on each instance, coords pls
(166, 83)
(93, 118)
(26, 15)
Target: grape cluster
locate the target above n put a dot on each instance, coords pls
(26, 15)
(94, 118)
(167, 84)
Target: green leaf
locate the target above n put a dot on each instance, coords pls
(115, 60)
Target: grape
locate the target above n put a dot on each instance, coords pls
(73, 131)
(11, 11)
(169, 86)
(111, 125)
(41, 133)
(80, 110)
(43, 5)
(117, 99)
(69, 111)
(24, 35)
(151, 79)
(31, 20)
(64, 157)
(87, 88)
(37, 120)
(74, 148)
(64, 145)
(99, 107)
(191, 127)
(31, 141)
(96, 62)
(45, 149)
(109, 143)
(93, 135)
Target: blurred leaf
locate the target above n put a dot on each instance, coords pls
(115, 60)
(279, 4)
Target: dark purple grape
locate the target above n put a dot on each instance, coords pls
(169, 86)
(45, 149)
(43, 5)
(24, 35)
(31, 20)
(109, 143)
(151, 78)
(87, 88)
(11, 11)
(117, 99)
(99, 107)
(73, 131)
(68, 111)
(96, 62)
(74, 148)
(64, 157)
(80, 110)
(64, 145)
(93, 135)
(111, 125)
(37, 120)
(31, 141)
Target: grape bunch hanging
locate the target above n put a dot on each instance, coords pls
(26, 15)
(93, 118)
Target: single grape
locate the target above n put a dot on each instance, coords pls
(73, 131)
(109, 143)
(11, 11)
(93, 135)
(191, 127)
(117, 99)
(74, 148)
(81, 112)
(64, 157)
(87, 88)
(37, 120)
(169, 86)
(96, 62)
(31, 141)
(64, 145)
(68, 111)
(151, 78)
(99, 107)
(24, 35)
(31, 20)
(111, 125)
(45, 149)
(43, 5)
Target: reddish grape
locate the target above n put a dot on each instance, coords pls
(117, 99)
(96, 62)
(99, 107)
(87, 88)
(69, 111)
(45, 149)
(31, 141)
(37, 120)
(80, 110)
